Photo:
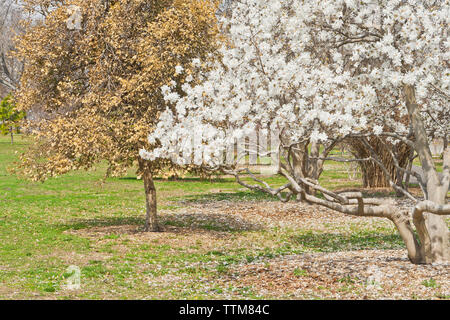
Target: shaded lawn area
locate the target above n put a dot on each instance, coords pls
(80, 220)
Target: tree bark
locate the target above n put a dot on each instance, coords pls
(437, 237)
(12, 135)
(432, 229)
(151, 217)
(305, 163)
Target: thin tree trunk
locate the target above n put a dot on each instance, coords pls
(408, 176)
(315, 169)
(151, 217)
(12, 135)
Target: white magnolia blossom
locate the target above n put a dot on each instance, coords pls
(178, 69)
(318, 68)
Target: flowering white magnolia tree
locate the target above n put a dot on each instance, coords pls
(321, 71)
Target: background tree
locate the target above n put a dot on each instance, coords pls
(327, 70)
(10, 117)
(372, 175)
(10, 67)
(99, 85)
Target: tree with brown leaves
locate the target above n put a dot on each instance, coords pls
(99, 83)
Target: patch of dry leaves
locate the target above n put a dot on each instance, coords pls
(368, 274)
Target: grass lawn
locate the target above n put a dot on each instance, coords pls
(80, 220)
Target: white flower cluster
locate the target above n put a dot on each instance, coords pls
(316, 69)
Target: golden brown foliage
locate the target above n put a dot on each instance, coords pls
(99, 87)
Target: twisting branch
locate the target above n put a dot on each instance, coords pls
(343, 159)
(351, 203)
(265, 187)
(431, 207)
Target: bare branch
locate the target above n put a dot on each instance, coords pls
(265, 187)
(431, 207)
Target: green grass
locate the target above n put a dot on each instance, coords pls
(37, 243)
(358, 240)
(430, 283)
(47, 227)
(300, 272)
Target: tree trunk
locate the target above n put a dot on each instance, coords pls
(12, 135)
(151, 217)
(305, 167)
(432, 229)
(314, 165)
(438, 248)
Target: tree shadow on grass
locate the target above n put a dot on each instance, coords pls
(189, 221)
(330, 242)
(226, 196)
(210, 221)
(77, 224)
